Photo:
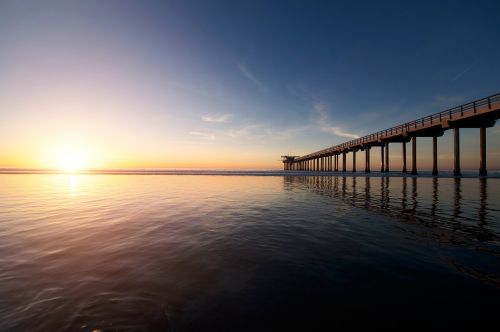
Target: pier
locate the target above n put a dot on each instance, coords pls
(481, 114)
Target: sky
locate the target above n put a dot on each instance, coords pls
(235, 84)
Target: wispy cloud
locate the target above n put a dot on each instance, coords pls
(260, 133)
(462, 73)
(449, 99)
(217, 118)
(204, 135)
(323, 121)
(243, 68)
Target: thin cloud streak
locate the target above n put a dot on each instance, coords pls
(323, 122)
(217, 118)
(449, 99)
(462, 73)
(243, 68)
(203, 135)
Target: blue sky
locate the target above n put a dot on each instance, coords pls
(234, 83)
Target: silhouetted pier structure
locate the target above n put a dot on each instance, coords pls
(481, 113)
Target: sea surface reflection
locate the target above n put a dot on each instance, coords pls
(247, 253)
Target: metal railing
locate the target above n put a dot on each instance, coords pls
(436, 118)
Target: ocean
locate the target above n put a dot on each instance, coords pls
(248, 251)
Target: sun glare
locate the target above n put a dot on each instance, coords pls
(71, 161)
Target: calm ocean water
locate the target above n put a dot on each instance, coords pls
(248, 253)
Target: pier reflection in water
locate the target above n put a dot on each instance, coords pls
(463, 208)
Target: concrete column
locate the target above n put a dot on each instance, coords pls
(344, 161)
(414, 155)
(367, 160)
(404, 157)
(456, 141)
(354, 161)
(482, 153)
(434, 155)
(330, 158)
(336, 163)
(382, 168)
(317, 164)
(387, 156)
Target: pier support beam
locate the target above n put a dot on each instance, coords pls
(354, 161)
(387, 157)
(336, 163)
(434, 156)
(367, 159)
(382, 168)
(456, 145)
(344, 161)
(482, 153)
(404, 157)
(414, 155)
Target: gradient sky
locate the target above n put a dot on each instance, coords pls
(234, 83)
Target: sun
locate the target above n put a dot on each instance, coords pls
(70, 160)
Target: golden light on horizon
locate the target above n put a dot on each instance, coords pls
(71, 159)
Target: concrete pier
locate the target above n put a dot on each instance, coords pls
(481, 113)
(382, 168)
(482, 152)
(456, 152)
(414, 155)
(367, 159)
(387, 156)
(354, 161)
(404, 156)
(434, 156)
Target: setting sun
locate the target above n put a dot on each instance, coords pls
(71, 160)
